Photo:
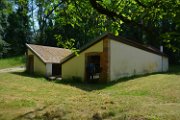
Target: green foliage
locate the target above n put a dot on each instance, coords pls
(18, 31)
(149, 22)
(5, 10)
(14, 27)
(171, 40)
(4, 48)
(74, 20)
(68, 44)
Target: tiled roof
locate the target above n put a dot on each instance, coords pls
(49, 54)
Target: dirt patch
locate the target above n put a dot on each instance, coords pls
(44, 113)
(13, 69)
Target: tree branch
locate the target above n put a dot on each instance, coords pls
(140, 4)
(47, 16)
(147, 6)
(112, 14)
(54, 8)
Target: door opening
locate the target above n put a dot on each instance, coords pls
(93, 68)
(56, 69)
(30, 65)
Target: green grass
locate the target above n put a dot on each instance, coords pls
(150, 97)
(12, 62)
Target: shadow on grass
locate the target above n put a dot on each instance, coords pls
(29, 115)
(81, 85)
(26, 74)
(98, 86)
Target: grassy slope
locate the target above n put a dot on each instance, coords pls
(152, 97)
(12, 62)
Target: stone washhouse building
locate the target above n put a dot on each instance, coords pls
(113, 58)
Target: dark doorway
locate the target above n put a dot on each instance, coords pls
(56, 69)
(93, 68)
(30, 64)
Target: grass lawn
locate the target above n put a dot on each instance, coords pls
(12, 62)
(152, 97)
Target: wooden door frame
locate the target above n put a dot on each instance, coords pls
(86, 61)
(104, 62)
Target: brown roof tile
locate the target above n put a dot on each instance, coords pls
(49, 54)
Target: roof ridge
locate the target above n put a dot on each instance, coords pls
(136, 44)
(48, 46)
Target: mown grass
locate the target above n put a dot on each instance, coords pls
(150, 97)
(12, 62)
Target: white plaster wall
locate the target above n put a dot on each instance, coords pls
(126, 61)
(48, 69)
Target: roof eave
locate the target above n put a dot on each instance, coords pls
(116, 38)
(36, 54)
(86, 46)
(135, 44)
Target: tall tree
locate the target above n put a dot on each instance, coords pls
(5, 10)
(155, 22)
(77, 22)
(18, 31)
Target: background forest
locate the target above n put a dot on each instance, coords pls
(73, 23)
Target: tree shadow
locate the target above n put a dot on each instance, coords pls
(26, 74)
(82, 85)
(175, 69)
(98, 86)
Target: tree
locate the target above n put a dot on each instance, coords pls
(151, 22)
(5, 10)
(156, 21)
(72, 20)
(18, 32)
